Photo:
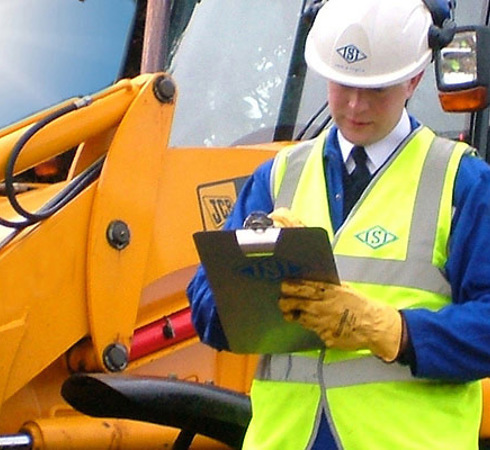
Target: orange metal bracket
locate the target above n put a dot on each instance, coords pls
(123, 218)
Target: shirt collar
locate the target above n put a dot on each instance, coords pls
(380, 151)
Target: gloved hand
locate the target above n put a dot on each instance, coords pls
(283, 218)
(342, 317)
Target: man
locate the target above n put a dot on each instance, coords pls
(406, 334)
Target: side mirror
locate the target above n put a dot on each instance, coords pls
(463, 70)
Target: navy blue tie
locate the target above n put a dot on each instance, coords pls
(356, 182)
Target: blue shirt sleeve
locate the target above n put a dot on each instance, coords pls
(254, 196)
(453, 343)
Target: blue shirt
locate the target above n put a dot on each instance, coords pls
(452, 343)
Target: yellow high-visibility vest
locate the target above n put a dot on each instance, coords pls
(392, 248)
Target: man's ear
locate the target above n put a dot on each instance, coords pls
(413, 83)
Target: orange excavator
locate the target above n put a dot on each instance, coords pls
(106, 177)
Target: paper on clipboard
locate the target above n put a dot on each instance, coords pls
(245, 268)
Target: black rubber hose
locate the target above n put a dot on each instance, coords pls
(68, 194)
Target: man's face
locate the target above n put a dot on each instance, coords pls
(365, 116)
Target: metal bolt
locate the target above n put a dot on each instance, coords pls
(164, 89)
(115, 357)
(118, 234)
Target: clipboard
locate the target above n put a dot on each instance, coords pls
(245, 268)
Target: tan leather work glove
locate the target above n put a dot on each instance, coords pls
(342, 317)
(283, 218)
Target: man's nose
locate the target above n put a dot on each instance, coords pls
(357, 99)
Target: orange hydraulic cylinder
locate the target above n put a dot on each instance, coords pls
(80, 432)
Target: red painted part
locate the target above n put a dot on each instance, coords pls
(162, 333)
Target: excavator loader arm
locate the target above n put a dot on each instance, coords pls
(106, 292)
(125, 191)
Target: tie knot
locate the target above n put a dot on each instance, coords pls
(359, 155)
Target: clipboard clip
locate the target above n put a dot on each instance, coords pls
(257, 220)
(258, 234)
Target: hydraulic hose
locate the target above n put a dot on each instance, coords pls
(65, 195)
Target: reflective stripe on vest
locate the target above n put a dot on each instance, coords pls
(336, 374)
(296, 161)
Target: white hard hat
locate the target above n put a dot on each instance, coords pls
(369, 43)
